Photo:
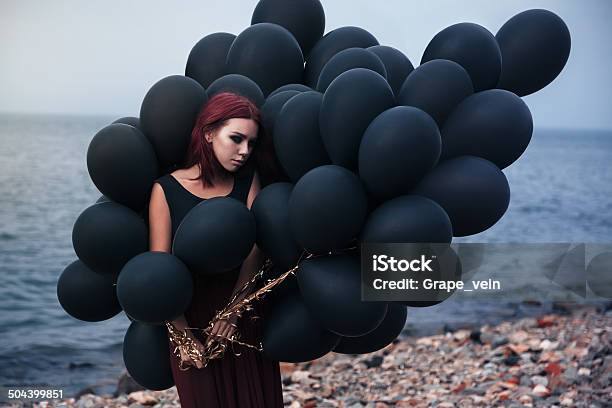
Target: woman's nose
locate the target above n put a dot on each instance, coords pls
(244, 149)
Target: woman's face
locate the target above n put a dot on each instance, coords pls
(234, 142)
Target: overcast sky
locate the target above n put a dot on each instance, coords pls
(100, 57)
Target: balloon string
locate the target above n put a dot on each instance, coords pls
(216, 345)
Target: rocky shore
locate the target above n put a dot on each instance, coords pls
(563, 361)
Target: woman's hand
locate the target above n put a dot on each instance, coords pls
(222, 329)
(185, 359)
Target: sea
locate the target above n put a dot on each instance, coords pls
(561, 191)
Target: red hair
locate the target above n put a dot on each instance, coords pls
(214, 114)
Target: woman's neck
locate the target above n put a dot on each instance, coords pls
(219, 175)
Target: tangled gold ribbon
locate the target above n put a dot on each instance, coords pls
(216, 345)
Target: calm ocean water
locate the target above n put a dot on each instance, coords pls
(561, 192)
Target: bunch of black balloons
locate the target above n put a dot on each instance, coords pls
(376, 151)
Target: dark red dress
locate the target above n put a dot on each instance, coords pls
(248, 380)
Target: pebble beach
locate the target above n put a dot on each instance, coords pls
(553, 360)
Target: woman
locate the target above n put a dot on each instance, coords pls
(217, 164)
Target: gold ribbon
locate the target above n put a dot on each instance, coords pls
(216, 345)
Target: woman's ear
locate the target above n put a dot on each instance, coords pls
(208, 136)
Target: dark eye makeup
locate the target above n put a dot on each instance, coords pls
(238, 138)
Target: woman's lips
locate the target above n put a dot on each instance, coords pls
(237, 162)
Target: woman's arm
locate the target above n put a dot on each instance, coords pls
(254, 260)
(160, 235)
(160, 232)
(249, 268)
(160, 225)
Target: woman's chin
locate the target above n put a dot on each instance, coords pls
(234, 165)
(232, 168)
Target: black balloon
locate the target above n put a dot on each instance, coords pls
(215, 236)
(107, 235)
(154, 287)
(397, 65)
(290, 87)
(331, 288)
(268, 54)
(102, 199)
(398, 148)
(446, 267)
(167, 116)
(408, 218)
(495, 125)
(146, 356)
(327, 209)
(271, 109)
(473, 47)
(206, 61)
(274, 237)
(122, 164)
(538, 39)
(129, 120)
(350, 103)
(297, 139)
(383, 335)
(287, 288)
(269, 113)
(331, 44)
(349, 59)
(238, 84)
(436, 87)
(473, 192)
(293, 334)
(86, 295)
(305, 19)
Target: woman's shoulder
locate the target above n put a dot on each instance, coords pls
(165, 186)
(184, 177)
(168, 181)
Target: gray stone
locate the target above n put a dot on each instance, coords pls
(127, 385)
(538, 379)
(552, 400)
(375, 361)
(499, 341)
(571, 374)
(487, 338)
(84, 391)
(480, 390)
(349, 401)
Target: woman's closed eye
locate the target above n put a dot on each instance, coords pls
(238, 139)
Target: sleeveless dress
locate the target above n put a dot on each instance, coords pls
(244, 381)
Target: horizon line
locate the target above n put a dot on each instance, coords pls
(117, 116)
